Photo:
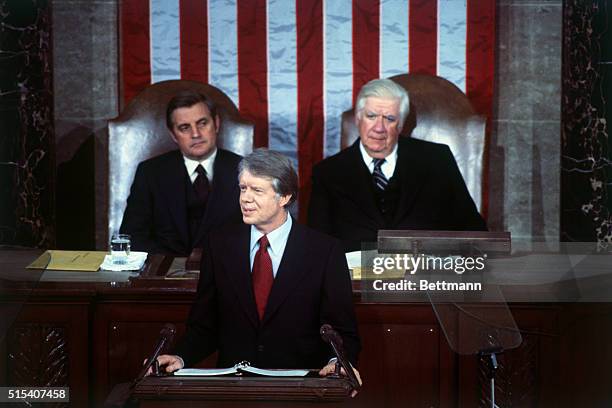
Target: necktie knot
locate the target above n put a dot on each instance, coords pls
(264, 243)
(200, 170)
(378, 163)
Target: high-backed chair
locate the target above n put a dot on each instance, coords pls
(439, 112)
(140, 133)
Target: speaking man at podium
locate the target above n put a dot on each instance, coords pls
(267, 286)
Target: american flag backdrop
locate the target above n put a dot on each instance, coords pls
(293, 66)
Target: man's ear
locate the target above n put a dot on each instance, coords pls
(284, 200)
(357, 118)
(172, 136)
(217, 123)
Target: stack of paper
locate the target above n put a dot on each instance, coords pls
(134, 262)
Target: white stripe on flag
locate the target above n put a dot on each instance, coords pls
(452, 16)
(338, 68)
(282, 77)
(393, 37)
(223, 47)
(165, 40)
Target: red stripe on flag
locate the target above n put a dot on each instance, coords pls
(480, 64)
(480, 54)
(135, 48)
(310, 120)
(194, 39)
(423, 36)
(253, 67)
(366, 43)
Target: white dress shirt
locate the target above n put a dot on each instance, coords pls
(207, 163)
(388, 167)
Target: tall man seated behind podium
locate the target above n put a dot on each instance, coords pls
(178, 197)
(381, 182)
(268, 285)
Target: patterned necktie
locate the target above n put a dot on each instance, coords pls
(201, 185)
(262, 276)
(380, 181)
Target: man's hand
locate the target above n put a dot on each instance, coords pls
(331, 368)
(168, 363)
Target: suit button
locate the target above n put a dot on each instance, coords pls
(260, 348)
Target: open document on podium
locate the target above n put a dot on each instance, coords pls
(240, 368)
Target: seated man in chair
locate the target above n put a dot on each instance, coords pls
(381, 182)
(177, 197)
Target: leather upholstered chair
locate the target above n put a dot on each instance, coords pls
(439, 112)
(140, 133)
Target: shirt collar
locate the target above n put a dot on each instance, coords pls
(369, 161)
(207, 163)
(277, 238)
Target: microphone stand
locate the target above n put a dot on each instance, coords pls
(165, 336)
(122, 392)
(331, 336)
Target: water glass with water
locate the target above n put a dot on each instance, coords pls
(120, 248)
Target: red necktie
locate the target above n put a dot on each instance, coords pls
(262, 276)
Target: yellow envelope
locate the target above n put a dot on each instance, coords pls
(55, 260)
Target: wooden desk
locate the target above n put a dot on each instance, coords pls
(92, 336)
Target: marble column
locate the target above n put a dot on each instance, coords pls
(86, 63)
(27, 143)
(524, 147)
(586, 144)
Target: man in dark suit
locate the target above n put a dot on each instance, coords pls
(177, 197)
(382, 183)
(267, 286)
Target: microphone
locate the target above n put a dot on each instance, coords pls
(331, 336)
(121, 393)
(165, 337)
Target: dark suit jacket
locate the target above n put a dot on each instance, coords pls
(433, 195)
(156, 212)
(312, 287)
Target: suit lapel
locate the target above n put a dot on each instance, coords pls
(290, 271)
(239, 271)
(172, 184)
(410, 174)
(360, 187)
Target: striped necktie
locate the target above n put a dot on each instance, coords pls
(380, 181)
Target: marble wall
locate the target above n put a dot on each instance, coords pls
(524, 149)
(524, 161)
(586, 144)
(27, 181)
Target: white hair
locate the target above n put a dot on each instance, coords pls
(385, 89)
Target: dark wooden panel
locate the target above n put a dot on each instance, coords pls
(586, 334)
(49, 346)
(400, 364)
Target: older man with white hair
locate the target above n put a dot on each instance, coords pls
(384, 182)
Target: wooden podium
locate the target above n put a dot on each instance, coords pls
(242, 391)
